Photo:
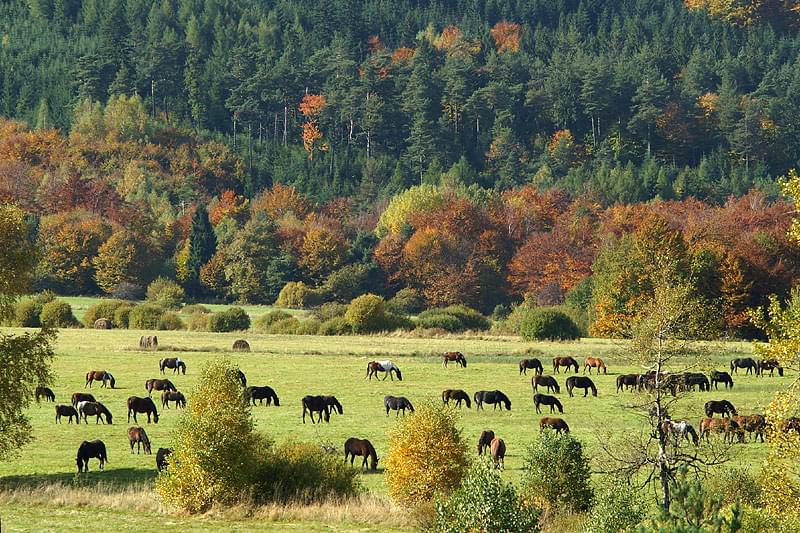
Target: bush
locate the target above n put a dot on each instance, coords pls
(263, 323)
(309, 327)
(406, 302)
(26, 314)
(197, 322)
(440, 321)
(287, 326)
(426, 457)
(557, 473)
(232, 319)
(454, 318)
(484, 503)
(393, 322)
(145, 316)
(330, 310)
(618, 507)
(102, 309)
(58, 314)
(166, 293)
(170, 321)
(293, 295)
(471, 318)
(366, 314)
(195, 308)
(735, 484)
(501, 312)
(337, 325)
(128, 291)
(122, 316)
(546, 324)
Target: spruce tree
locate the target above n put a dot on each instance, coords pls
(202, 245)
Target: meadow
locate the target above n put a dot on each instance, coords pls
(298, 365)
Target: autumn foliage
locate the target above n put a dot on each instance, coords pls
(506, 36)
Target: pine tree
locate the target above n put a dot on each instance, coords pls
(202, 245)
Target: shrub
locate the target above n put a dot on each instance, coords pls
(393, 321)
(337, 325)
(406, 302)
(302, 472)
(557, 473)
(546, 324)
(166, 293)
(58, 314)
(217, 451)
(427, 455)
(440, 321)
(471, 318)
(484, 503)
(618, 506)
(309, 327)
(330, 310)
(735, 484)
(195, 308)
(293, 295)
(287, 326)
(102, 309)
(145, 316)
(232, 319)
(122, 316)
(501, 312)
(170, 321)
(26, 314)
(366, 314)
(454, 318)
(128, 291)
(264, 322)
(198, 322)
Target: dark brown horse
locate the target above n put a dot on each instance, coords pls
(100, 375)
(544, 399)
(79, 397)
(498, 449)
(457, 396)
(143, 406)
(68, 411)
(485, 440)
(161, 458)
(581, 382)
(494, 397)
(721, 377)
(456, 357)
(96, 409)
(46, 393)
(755, 424)
(397, 403)
(722, 407)
(568, 362)
(534, 364)
(138, 436)
(321, 405)
(262, 393)
(362, 448)
(556, 424)
(173, 396)
(744, 362)
(549, 382)
(175, 363)
(629, 381)
(158, 384)
(594, 362)
(89, 449)
(770, 364)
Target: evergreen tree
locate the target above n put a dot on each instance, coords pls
(202, 245)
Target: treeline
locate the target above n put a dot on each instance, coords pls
(626, 100)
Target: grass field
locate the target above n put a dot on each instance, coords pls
(298, 365)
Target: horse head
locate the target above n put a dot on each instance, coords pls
(109, 418)
(112, 380)
(399, 375)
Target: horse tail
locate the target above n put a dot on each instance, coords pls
(444, 396)
(365, 377)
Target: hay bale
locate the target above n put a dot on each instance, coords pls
(103, 323)
(148, 342)
(241, 345)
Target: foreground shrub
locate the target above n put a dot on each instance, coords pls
(484, 503)
(217, 452)
(337, 325)
(170, 321)
(556, 472)
(733, 485)
(103, 309)
(232, 319)
(618, 506)
(301, 472)
(122, 316)
(58, 314)
(366, 314)
(145, 316)
(547, 324)
(166, 293)
(427, 455)
(263, 323)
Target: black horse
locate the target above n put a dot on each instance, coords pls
(745, 362)
(362, 448)
(321, 405)
(68, 411)
(175, 363)
(549, 382)
(696, 379)
(534, 364)
(144, 406)
(628, 381)
(397, 403)
(161, 458)
(46, 393)
(581, 382)
(770, 364)
(721, 377)
(261, 393)
(89, 449)
(544, 399)
(492, 397)
(723, 407)
(241, 377)
(457, 395)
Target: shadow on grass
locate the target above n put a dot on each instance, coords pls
(110, 477)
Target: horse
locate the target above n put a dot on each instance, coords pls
(81, 397)
(241, 377)
(771, 365)
(100, 375)
(457, 396)
(397, 403)
(175, 363)
(549, 382)
(498, 449)
(552, 401)
(680, 429)
(557, 424)
(723, 407)
(68, 411)
(485, 440)
(173, 396)
(581, 382)
(725, 426)
(362, 448)
(568, 362)
(46, 393)
(594, 362)
(158, 384)
(755, 424)
(144, 406)
(161, 458)
(721, 377)
(321, 405)
(87, 450)
(745, 362)
(492, 397)
(693, 379)
(373, 367)
(138, 436)
(241, 345)
(96, 409)
(629, 381)
(333, 405)
(456, 357)
(262, 393)
(534, 363)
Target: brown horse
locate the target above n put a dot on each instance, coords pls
(498, 449)
(549, 382)
(89, 449)
(138, 436)
(568, 362)
(457, 396)
(158, 384)
(543, 399)
(728, 427)
(362, 448)
(485, 440)
(534, 364)
(770, 364)
(100, 375)
(755, 424)
(581, 382)
(79, 397)
(96, 409)
(456, 357)
(161, 458)
(594, 362)
(46, 393)
(629, 381)
(143, 406)
(556, 424)
(68, 411)
(173, 396)
(175, 363)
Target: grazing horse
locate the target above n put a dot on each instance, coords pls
(79, 397)
(100, 375)
(568, 362)
(321, 405)
(138, 436)
(46, 393)
(721, 377)
(581, 382)
(144, 406)
(745, 362)
(680, 429)
(161, 458)
(87, 450)
(696, 379)
(373, 367)
(485, 440)
(723, 407)
(456, 357)
(498, 449)
(725, 426)
(397, 403)
(534, 363)
(755, 424)
(556, 424)
(362, 448)
(492, 397)
(96, 409)
(543, 399)
(241, 377)
(594, 362)
(629, 381)
(173, 396)
(457, 396)
(770, 364)
(549, 382)
(68, 411)
(175, 363)
(262, 393)
(158, 384)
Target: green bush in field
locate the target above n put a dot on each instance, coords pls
(58, 314)
(734, 484)
(337, 325)
(170, 321)
(471, 318)
(366, 314)
(546, 324)
(293, 295)
(122, 316)
(618, 507)
(232, 319)
(145, 316)
(198, 322)
(330, 310)
(195, 308)
(309, 327)
(263, 323)
(439, 321)
(26, 314)
(393, 322)
(454, 318)
(287, 326)
(103, 309)
(166, 293)
(406, 302)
